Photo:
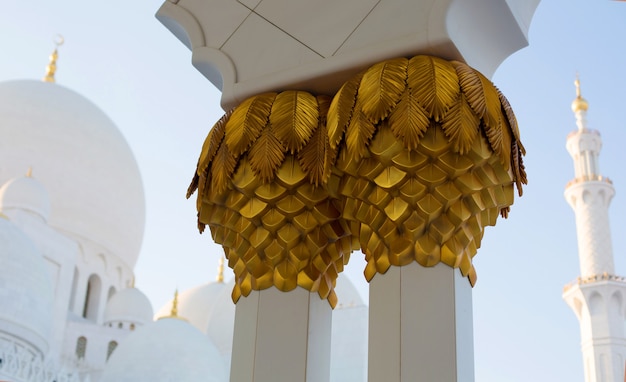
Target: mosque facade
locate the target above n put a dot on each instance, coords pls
(72, 214)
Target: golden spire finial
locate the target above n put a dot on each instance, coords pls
(52, 65)
(174, 312)
(579, 103)
(174, 309)
(577, 83)
(132, 282)
(220, 271)
(29, 172)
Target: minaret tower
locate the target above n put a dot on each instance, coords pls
(597, 296)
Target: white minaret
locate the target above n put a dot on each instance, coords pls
(597, 296)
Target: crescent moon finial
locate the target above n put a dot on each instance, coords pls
(59, 40)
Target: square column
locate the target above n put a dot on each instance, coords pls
(281, 337)
(421, 325)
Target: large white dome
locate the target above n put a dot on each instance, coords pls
(91, 175)
(25, 289)
(168, 350)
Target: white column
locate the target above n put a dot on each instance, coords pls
(420, 325)
(281, 337)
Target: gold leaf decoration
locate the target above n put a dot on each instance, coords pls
(213, 141)
(359, 133)
(294, 116)
(435, 84)
(222, 169)
(266, 155)
(461, 125)
(381, 88)
(314, 156)
(508, 110)
(247, 122)
(471, 86)
(409, 120)
(341, 108)
(422, 177)
(209, 148)
(267, 203)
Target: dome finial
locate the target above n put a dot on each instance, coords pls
(29, 172)
(174, 311)
(579, 104)
(52, 65)
(220, 271)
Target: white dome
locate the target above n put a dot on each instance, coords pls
(167, 350)
(196, 304)
(347, 295)
(25, 289)
(79, 154)
(25, 193)
(128, 305)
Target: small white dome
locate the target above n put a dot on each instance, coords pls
(25, 289)
(347, 294)
(129, 305)
(197, 304)
(167, 350)
(25, 193)
(90, 173)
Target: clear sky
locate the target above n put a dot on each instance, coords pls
(119, 56)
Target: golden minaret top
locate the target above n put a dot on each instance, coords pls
(579, 103)
(51, 68)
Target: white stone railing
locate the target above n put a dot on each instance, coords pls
(592, 279)
(19, 365)
(588, 178)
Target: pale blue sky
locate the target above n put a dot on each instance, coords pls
(119, 56)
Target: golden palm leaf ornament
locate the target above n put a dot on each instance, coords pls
(428, 153)
(260, 182)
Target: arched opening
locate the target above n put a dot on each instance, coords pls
(111, 348)
(81, 347)
(111, 293)
(596, 304)
(92, 298)
(73, 292)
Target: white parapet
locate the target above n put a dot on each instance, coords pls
(421, 326)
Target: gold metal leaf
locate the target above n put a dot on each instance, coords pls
(381, 88)
(341, 110)
(508, 111)
(294, 117)
(461, 125)
(247, 122)
(409, 120)
(213, 141)
(266, 155)
(359, 133)
(222, 168)
(209, 148)
(434, 83)
(472, 87)
(314, 156)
